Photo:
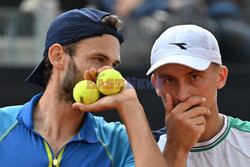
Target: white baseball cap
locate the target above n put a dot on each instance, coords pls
(188, 45)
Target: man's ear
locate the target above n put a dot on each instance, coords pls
(55, 55)
(153, 80)
(222, 77)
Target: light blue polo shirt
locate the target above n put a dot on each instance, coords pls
(98, 143)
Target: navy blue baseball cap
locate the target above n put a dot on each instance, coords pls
(71, 27)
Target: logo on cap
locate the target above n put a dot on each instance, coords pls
(181, 45)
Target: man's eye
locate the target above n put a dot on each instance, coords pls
(114, 65)
(194, 77)
(169, 80)
(99, 59)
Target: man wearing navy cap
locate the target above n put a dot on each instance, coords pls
(52, 130)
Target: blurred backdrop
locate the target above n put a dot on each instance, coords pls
(24, 23)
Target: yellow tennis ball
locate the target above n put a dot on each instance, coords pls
(109, 82)
(86, 92)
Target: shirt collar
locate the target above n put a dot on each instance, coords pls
(25, 115)
(87, 132)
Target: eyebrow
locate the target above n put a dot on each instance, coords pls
(193, 71)
(117, 62)
(164, 75)
(189, 73)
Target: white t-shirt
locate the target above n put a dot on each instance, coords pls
(229, 148)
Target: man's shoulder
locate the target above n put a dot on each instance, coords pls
(239, 124)
(108, 128)
(9, 112)
(8, 118)
(239, 134)
(237, 139)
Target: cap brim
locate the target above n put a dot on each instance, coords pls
(189, 61)
(36, 77)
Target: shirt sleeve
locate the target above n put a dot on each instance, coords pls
(129, 162)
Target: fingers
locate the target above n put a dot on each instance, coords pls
(170, 104)
(103, 68)
(85, 108)
(114, 101)
(100, 105)
(92, 73)
(197, 111)
(199, 120)
(188, 110)
(199, 125)
(189, 103)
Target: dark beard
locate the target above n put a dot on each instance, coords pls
(70, 79)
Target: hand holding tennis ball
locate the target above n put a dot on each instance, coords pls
(109, 82)
(86, 92)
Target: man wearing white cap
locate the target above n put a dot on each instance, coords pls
(187, 71)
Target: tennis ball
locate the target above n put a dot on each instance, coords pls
(86, 92)
(109, 82)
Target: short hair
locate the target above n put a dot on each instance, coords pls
(216, 66)
(111, 21)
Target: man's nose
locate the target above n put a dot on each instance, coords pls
(183, 92)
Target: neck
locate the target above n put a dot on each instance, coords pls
(55, 118)
(214, 123)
